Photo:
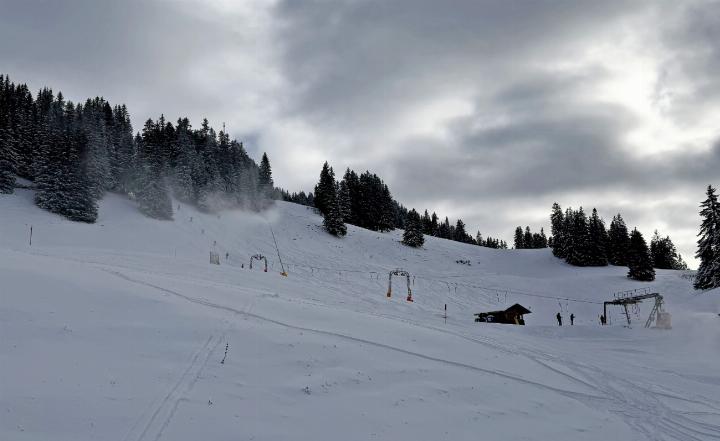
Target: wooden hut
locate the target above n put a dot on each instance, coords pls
(511, 316)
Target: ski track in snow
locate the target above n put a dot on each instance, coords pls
(163, 411)
(637, 405)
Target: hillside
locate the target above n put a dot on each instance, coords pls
(116, 331)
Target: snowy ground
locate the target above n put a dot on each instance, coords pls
(116, 331)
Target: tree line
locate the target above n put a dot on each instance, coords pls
(75, 153)
(365, 201)
(585, 241)
(530, 240)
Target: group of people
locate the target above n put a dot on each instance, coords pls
(559, 319)
(603, 319)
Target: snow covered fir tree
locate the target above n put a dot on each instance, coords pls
(75, 153)
(708, 273)
(413, 235)
(584, 241)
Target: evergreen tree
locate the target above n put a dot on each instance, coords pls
(8, 159)
(639, 262)
(708, 274)
(619, 242)
(332, 219)
(352, 182)
(388, 210)
(528, 238)
(325, 189)
(265, 180)
(663, 252)
(680, 264)
(557, 224)
(343, 192)
(427, 224)
(519, 238)
(434, 224)
(543, 239)
(597, 241)
(578, 239)
(413, 235)
(460, 235)
(152, 193)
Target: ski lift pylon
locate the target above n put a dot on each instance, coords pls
(399, 272)
(259, 257)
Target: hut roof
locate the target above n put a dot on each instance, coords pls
(518, 309)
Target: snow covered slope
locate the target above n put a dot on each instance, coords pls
(117, 330)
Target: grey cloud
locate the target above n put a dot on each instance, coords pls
(357, 61)
(138, 52)
(338, 77)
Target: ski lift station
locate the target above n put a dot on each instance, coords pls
(633, 299)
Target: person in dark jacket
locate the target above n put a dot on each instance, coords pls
(572, 319)
(559, 319)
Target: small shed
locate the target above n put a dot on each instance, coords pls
(511, 316)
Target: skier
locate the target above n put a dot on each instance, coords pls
(559, 319)
(572, 319)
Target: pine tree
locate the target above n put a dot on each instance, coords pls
(639, 262)
(152, 193)
(708, 274)
(325, 189)
(578, 239)
(460, 233)
(597, 241)
(680, 264)
(388, 210)
(519, 238)
(663, 252)
(8, 160)
(528, 238)
(265, 180)
(343, 194)
(427, 224)
(413, 235)
(153, 196)
(618, 242)
(352, 182)
(557, 224)
(332, 220)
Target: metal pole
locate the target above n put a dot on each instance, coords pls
(276, 248)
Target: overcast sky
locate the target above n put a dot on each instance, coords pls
(485, 110)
